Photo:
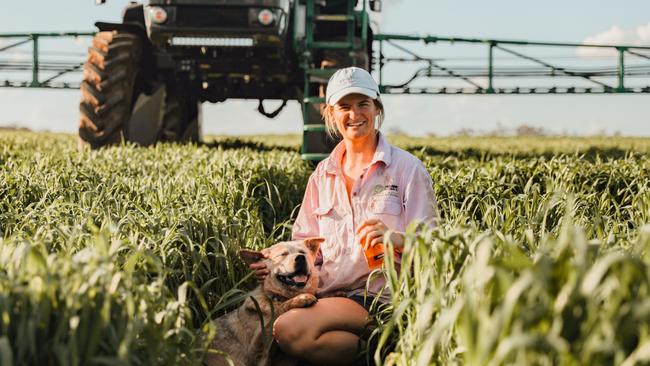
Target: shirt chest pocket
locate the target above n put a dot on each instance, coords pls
(328, 219)
(389, 205)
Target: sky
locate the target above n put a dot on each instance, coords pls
(575, 21)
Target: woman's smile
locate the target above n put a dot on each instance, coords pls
(355, 124)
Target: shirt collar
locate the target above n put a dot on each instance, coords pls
(383, 153)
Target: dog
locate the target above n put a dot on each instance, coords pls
(292, 283)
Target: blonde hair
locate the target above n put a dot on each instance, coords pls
(330, 124)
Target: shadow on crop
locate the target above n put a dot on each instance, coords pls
(591, 154)
(233, 144)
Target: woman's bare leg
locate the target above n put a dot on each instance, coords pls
(325, 333)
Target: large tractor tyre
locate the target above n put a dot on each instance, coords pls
(107, 89)
(181, 120)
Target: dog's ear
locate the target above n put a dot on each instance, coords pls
(313, 244)
(250, 256)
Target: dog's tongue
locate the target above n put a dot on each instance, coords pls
(299, 278)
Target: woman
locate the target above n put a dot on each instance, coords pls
(365, 188)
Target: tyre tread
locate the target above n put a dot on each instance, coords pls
(110, 71)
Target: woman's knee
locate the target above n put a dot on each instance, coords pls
(292, 332)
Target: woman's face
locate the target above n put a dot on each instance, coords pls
(354, 116)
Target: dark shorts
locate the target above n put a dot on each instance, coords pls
(366, 302)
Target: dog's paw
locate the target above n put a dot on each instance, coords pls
(300, 301)
(304, 300)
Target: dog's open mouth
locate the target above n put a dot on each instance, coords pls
(297, 279)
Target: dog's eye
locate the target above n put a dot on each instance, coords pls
(302, 252)
(284, 254)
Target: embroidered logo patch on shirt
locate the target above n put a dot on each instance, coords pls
(385, 190)
(377, 189)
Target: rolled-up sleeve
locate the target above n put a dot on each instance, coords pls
(420, 203)
(306, 224)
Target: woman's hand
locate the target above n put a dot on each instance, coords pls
(371, 232)
(260, 269)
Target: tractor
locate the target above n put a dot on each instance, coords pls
(145, 79)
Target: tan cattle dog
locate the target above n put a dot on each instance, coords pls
(292, 283)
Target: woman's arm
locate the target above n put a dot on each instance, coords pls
(306, 224)
(420, 203)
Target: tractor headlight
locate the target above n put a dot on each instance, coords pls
(157, 14)
(266, 17)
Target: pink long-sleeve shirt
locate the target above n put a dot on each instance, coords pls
(395, 188)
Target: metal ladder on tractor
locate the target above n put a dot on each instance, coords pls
(316, 143)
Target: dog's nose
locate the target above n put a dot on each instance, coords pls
(300, 260)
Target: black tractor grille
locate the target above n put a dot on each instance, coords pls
(210, 16)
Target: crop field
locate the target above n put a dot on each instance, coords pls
(123, 256)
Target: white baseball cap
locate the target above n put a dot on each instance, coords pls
(350, 80)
